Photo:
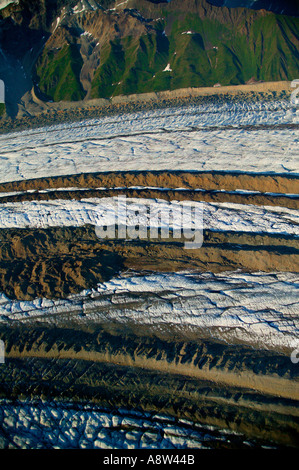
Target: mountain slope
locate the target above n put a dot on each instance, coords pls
(90, 49)
(283, 7)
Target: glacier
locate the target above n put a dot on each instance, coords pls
(248, 137)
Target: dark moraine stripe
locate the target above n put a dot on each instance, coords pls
(58, 261)
(236, 197)
(217, 180)
(232, 386)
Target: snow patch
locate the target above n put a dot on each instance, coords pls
(167, 68)
(5, 3)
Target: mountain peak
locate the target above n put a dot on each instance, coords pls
(82, 49)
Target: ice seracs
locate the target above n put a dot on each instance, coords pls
(89, 426)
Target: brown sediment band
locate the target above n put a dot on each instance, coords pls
(217, 180)
(264, 372)
(59, 261)
(267, 384)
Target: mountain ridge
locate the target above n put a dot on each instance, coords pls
(70, 50)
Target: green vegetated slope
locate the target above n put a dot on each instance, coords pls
(194, 52)
(199, 53)
(133, 65)
(58, 73)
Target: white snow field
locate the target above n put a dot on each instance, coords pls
(228, 137)
(105, 211)
(255, 309)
